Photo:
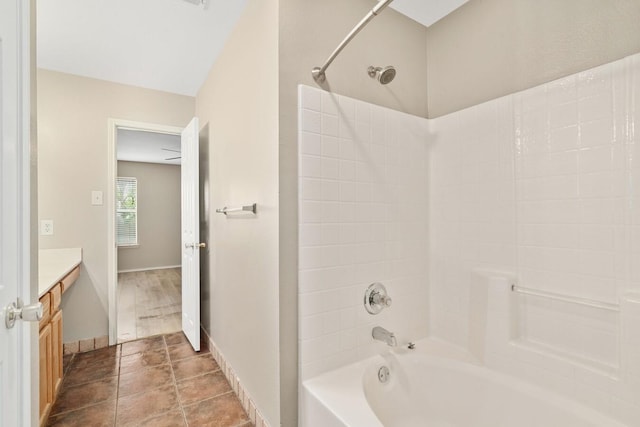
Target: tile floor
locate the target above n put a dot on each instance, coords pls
(149, 303)
(158, 381)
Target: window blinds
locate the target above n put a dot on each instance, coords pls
(126, 211)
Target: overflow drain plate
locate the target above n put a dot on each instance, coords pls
(383, 374)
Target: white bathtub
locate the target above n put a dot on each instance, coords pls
(435, 386)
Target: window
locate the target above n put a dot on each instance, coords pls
(126, 211)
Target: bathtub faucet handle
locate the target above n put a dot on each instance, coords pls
(381, 299)
(376, 298)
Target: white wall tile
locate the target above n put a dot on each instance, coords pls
(311, 100)
(310, 143)
(597, 132)
(330, 168)
(330, 125)
(329, 103)
(564, 138)
(311, 189)
(573, 145)
(330, 190)
(311, 166)
(563, 115)
(595, 107)
(310, 235)
(311, 121)
(330, 146)
(345, 212)
(540, 183)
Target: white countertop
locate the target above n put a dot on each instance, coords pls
(54, 264)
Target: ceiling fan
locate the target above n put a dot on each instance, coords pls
(175, 151)
(204, 3)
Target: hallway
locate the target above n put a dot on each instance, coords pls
(158, 381)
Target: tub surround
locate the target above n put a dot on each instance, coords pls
(541, 184)
(537, 185)
(363, 180)
(499, 320)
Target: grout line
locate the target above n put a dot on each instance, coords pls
(52, 415)
(115, 412)
(89, 382)
(175, 382)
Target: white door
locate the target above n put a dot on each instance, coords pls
(190, 234)
(15, 350)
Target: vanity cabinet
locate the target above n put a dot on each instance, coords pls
(51, 353)
(56, 352)
(46, 393)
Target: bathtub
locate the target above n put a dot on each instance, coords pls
(435, 385)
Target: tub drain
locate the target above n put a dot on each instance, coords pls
(383, 374)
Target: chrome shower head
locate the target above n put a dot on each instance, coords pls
(383, 75)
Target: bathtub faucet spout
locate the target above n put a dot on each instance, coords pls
(381, 334)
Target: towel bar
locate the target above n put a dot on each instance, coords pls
(247, 208)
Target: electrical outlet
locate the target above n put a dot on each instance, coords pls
(46, 227)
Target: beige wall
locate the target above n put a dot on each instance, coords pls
(309, 32)
(159, 238)
(72, 161)
(490, 48)
(239, 104)
(248, 106)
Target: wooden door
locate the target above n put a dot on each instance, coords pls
(190, 234)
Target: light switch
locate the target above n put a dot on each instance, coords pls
(96, 198)
(46, 227)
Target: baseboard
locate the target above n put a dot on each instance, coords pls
(89, 344)
(165, 267)
(236, 384)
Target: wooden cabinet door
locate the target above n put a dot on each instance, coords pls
(56, 352)
(46, 395)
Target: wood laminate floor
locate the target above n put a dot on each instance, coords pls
(149, 303)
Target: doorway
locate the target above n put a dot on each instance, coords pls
(144, 230)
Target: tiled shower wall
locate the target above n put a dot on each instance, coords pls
(363, 191)
(544, 184)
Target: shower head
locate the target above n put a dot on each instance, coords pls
(383, 75)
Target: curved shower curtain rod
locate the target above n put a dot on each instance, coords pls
(318, 72)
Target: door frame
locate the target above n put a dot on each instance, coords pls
(112, 249)
(20, 247)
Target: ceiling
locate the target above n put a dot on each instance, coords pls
(167, 45)
(426, 12)
(148, 147)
